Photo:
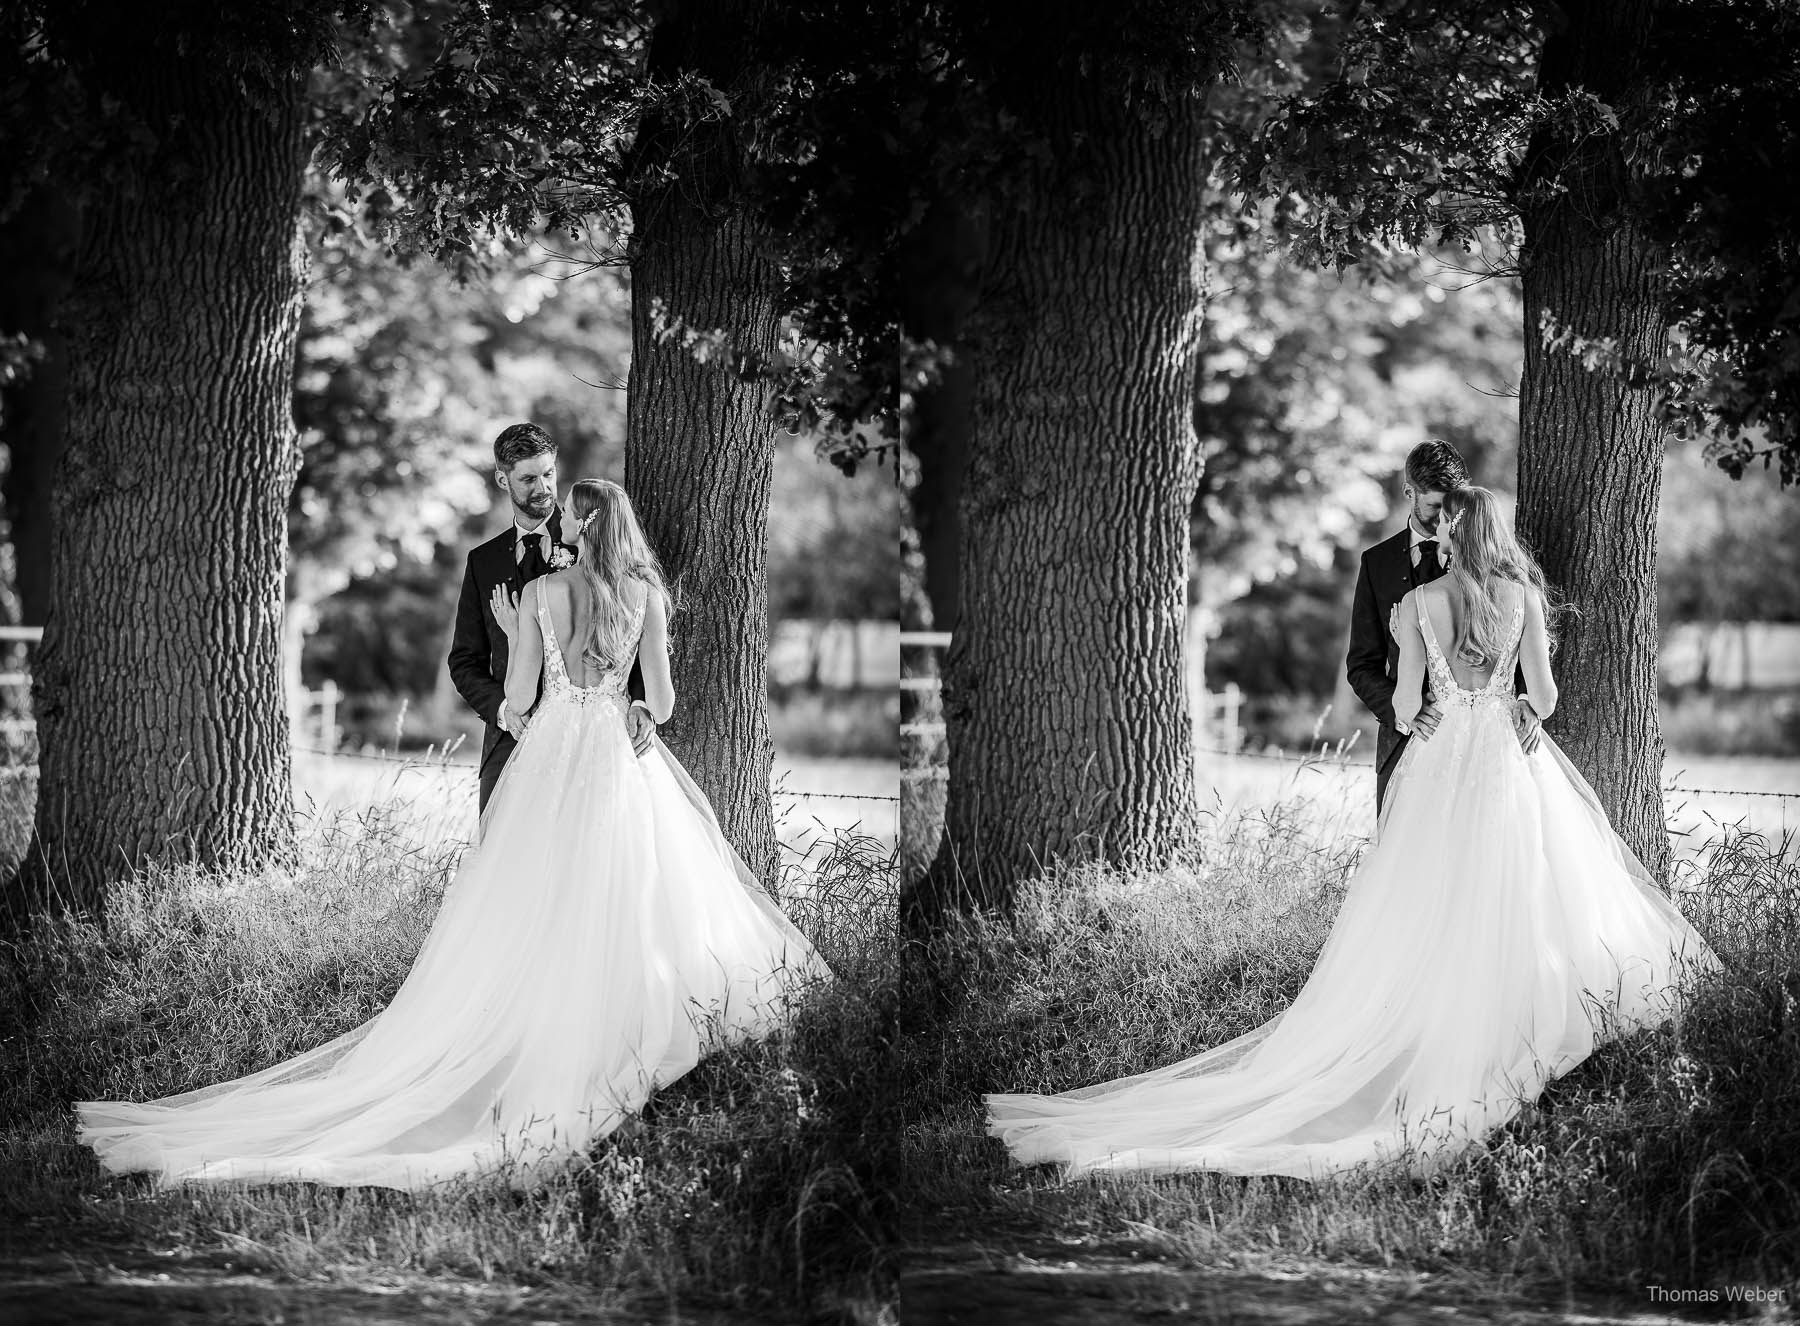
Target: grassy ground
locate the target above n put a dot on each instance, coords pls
(791, 1180)
(758, 1187)
(1671, 1159)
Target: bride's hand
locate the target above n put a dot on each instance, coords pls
(506, 613)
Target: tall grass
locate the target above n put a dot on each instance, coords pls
(761, 1181)
(1671, 1157)
(785, 1177)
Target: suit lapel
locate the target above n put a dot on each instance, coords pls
(507, 567)
(1401, 560)
(500, 565)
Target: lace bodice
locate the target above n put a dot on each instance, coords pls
(1444, 686)
(610, 689)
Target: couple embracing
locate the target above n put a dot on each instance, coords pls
(599, 937)
(1495, 932)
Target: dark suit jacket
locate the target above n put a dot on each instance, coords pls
(478, 652)
(1373, 662)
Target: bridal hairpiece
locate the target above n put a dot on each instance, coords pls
(585, 521)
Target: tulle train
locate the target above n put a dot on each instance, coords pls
(1493, 935)
(598, 939)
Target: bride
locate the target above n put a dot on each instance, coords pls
(1495, 933)
(600, 936)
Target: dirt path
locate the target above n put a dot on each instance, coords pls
(95, 1288)
(969, 1285)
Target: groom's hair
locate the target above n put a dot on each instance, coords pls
(1434, 467)
(519, 442)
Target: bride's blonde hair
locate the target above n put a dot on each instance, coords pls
(614, 552)
(1487, 552)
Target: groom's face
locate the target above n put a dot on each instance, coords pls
(531, 484)
(1426, 508)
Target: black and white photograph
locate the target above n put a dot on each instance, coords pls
(899, 661)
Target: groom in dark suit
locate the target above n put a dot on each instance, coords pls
(1390, 569)
(536, 542)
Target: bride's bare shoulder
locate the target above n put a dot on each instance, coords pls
(634, 593)
(1433, 597)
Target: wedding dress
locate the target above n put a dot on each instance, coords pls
(1497, 931)
(600, 936)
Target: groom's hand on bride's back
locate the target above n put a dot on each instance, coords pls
(1426, 721)
(641, 725)
(1526, 723)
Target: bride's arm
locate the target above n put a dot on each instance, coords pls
(1409, 684)
(653, 658)
(1534, 658)
(526, 657)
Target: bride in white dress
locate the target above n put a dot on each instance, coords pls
(1496, 932)
(599, 938)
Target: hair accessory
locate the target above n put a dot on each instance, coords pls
(588, 519)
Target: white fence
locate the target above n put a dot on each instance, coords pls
(18, 681)
(1732, 655)
(930, 640)
(314, 718)
(842, 654)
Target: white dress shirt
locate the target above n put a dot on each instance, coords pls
(1443, 551)
(540, 531)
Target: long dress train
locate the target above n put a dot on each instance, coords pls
(596, 941)
(1493, 935)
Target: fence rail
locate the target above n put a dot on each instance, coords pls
(18, 635)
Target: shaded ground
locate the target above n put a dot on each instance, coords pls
(102, 1287)
(971, 1284)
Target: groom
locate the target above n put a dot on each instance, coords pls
(525, 469)
(1389, 569)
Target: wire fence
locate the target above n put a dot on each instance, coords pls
(393, 757)
(19, 770)
(939, 773)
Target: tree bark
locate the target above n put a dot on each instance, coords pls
(938, 292)
(700, 443)
(1590, 444)
(161, 722)
(1068, 731)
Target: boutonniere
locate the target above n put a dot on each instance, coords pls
(562, 556)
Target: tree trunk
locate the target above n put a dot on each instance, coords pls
(1068, 731)
(1590, 444)
(938, 292)
(161, 721)
(700, 443)
(37, 252)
